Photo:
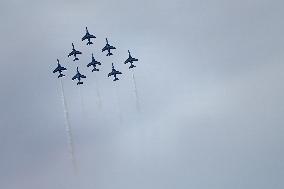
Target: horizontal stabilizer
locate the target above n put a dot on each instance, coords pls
(61, 75)
(132, 66)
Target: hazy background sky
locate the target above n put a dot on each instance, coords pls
(210, 82)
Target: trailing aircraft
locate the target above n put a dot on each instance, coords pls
(130, 60)
(59, 69)
(94, 63)
(78, 76)
(114, 72)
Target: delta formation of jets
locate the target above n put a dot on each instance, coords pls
(94, 62)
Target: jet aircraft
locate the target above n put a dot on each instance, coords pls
(88, 36)
(94, 63)
(78, 76)
(114, 72)
(59, 69)
(130, 60)
(74, 53)
(108, 47)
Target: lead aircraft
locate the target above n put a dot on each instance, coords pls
(89, 37)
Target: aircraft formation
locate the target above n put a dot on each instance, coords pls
(94, 63)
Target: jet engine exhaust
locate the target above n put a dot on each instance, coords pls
(68, 130)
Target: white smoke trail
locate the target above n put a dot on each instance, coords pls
(99, 100)
(136, 93)
(81, 100)
(68, 130)
(117, 102)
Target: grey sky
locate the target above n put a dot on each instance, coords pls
(210, 81)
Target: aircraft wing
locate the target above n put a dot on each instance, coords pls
(62, 68)
(56, 69)
(85, 37)
(82, 76)
(105, 48)
(92, 36)
(126, 61)
(110, 74)
(75, 77)
(134, 59)
(72, 53)
(118, 72)
(112, 47)
(78, 52)
(91, 63)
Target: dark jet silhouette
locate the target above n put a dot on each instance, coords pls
(94, 63)
(88, 36)
(78, 76)
(114, 72)
(59, 69)
(107, 48)
(74, 53)
(130, 60)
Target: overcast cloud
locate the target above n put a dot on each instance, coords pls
(210, 83)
